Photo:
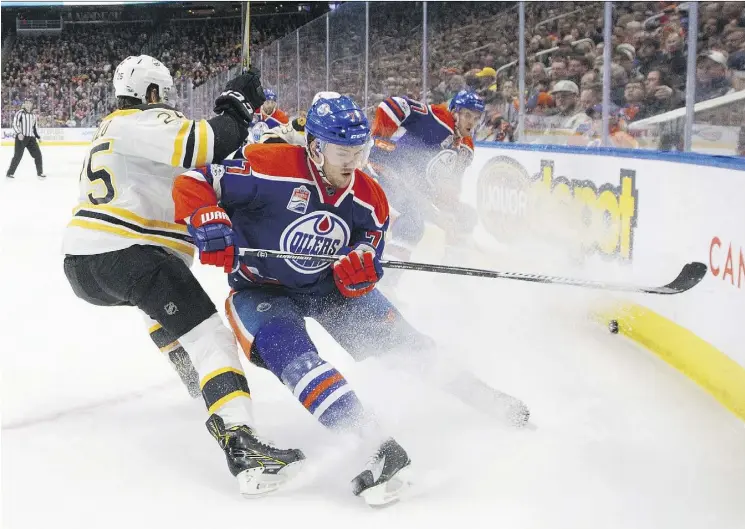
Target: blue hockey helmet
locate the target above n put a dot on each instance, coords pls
(467, 99)
(270, 94)
(334, 118)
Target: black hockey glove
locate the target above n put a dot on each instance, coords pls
(233, 103)
(248, 84)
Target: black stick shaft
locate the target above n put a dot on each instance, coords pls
(690, 275)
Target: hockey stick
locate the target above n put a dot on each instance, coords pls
(246, 48)
(690, 276)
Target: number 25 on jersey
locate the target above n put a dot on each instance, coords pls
(100, 179)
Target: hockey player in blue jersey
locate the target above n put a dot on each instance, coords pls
(270, 113)
(314, 200)
(419, 157)
(309, 200)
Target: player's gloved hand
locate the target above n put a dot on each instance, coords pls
(235, 104)
(357, 272)
(213, 235)
(249, 85)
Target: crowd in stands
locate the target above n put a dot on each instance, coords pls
(474, 45)
(68, 76)
(469, 44)
(648, 68)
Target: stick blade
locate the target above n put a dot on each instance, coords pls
(690, 276)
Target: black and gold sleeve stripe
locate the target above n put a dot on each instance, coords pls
(189, 151)
(192, 146)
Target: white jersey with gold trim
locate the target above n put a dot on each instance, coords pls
(126, 179)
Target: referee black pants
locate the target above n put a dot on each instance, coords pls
(28, 142)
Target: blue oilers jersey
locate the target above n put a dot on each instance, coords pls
(410, 136)
(277, 200)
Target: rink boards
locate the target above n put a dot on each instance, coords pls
(55, 136)
(635, 216)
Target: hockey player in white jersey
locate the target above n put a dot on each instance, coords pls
(123, 247)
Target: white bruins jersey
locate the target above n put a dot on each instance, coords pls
(126, 180)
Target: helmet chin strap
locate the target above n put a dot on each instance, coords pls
(319, 165)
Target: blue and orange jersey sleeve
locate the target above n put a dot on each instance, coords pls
(443, 115)
(281, 116)
(277, 118)
(371, 217)
(229, 183)
(192, 190)
(392, 113)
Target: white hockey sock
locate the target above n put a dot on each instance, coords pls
(214, 353)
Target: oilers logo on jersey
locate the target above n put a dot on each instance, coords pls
(318, 233)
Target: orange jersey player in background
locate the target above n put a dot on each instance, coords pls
(419, 157)
(270, 113)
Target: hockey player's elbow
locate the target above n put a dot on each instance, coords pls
(229, 135)
(189, 194)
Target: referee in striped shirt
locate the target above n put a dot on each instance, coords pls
(24, 125)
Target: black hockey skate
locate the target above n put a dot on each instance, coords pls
(259, 467)
(181, 362)
(384, 477)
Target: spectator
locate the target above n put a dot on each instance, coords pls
(538, 80)
(566, 95)
(734, 42)
(660, 97)
(634, 95)
(649, 55)
(590, 79)
(559, 70)
(589, 97)
(733, 14)
(577, 67)
(675, 58)
(625, 56)
(711, 76)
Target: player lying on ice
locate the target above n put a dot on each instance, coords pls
(311, 200)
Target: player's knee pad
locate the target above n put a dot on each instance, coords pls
(265, 326)
(279, 341)
(322, 390)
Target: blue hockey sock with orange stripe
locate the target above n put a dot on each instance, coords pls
(323, 391)
(283, 346)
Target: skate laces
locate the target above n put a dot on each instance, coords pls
(262, 442)
(375, 458)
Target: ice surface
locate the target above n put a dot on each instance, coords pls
(98, 432)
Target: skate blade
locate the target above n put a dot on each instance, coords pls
(254, 483)
(390, 491)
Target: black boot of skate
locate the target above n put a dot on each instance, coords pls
(259, 467)
(382, 481)
(181, 362)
